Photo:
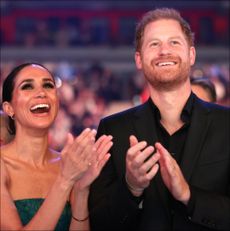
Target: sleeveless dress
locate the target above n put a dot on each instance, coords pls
(28, 207)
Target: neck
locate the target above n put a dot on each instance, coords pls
(31, 146)
(170, 105)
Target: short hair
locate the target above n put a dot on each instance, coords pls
(207, 85)
(162, 13)
(8, 87)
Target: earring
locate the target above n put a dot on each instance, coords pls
(12, 117)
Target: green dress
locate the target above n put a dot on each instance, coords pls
(28, 207)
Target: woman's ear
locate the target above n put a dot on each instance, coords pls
(8, 109)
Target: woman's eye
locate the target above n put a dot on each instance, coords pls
(27, 86)
(48, 85)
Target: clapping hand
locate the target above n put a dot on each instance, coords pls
(99, 158)
(141, 165)
(172, 175)
(77, 154)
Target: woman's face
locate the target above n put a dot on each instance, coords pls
(34, 103)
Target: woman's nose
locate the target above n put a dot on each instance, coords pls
(41, 93)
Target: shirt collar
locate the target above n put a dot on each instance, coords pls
(185, 114)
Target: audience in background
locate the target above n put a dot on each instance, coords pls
(89, 93)
(204, 89)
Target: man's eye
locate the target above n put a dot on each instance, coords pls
(154, 44)
(27, 86)
(48, 85)
(174, 42)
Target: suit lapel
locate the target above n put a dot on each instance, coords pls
(195, 139)
(144, 124)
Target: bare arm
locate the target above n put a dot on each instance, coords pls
(80, 193)
(76, 157)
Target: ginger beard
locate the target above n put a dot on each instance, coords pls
(166, 77)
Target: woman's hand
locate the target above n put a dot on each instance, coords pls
(77, 155)
(99, 158)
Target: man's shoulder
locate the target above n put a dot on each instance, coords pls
(212, 107)
(125, 114)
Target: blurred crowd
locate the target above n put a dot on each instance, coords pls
(54, 32)
(88, 94)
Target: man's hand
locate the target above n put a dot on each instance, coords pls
(141, 165)
(172, 175)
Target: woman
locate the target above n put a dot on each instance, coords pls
(41, 188)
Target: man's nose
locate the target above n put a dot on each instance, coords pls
(165, 49)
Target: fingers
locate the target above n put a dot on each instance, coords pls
(166, 159)
(152, 172)
(81, 148)
(139, 159)
(172, 175)
(136, 149)
(133, 140)
(69, 141)
(147, 166)
(141, 163)
(102, 162)
(103, 144)
(87, 137)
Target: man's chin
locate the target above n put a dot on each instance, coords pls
(167, 84)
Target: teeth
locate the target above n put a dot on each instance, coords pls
(39, 106)
(165, 64)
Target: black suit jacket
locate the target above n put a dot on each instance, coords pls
(205, 165)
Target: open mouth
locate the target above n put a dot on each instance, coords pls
(169, 63)
(40, 108)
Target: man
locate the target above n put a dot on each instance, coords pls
(170, 162)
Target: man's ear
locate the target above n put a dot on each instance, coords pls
(138, 60)
(192, 55)
(8, 109)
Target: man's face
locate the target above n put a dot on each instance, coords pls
(165, 55)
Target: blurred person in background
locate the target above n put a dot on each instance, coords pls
(42, 189)
(204, 89)
(170, 161)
